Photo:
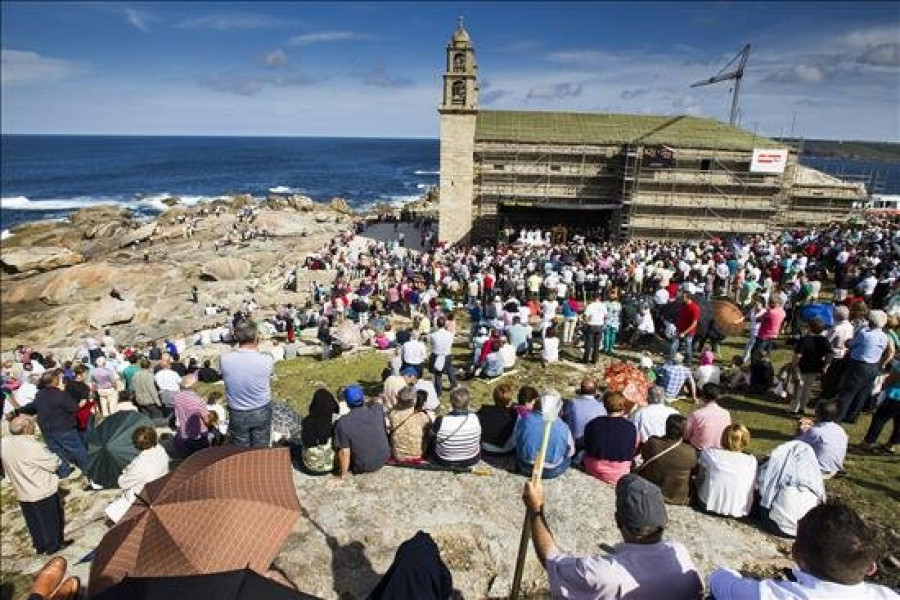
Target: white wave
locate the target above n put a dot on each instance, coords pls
(399, 201)
(5, 234)
(154, 202)
(283, 189)
(422, 186)
(427, 172)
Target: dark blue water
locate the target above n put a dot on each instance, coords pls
(49, 176)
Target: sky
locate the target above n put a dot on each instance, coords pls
(816, 69)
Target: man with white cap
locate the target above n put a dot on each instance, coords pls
(867, 349)
(643, 567)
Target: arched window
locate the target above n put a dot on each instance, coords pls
(458, 92)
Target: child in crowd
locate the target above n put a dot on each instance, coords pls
(216, 405)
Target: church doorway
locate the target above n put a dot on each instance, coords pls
(561, 224)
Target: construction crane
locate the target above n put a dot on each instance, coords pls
(736, 73)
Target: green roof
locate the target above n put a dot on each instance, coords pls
(600, 129)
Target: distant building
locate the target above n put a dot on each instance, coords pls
(631, 176)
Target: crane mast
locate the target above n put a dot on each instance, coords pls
(736, 73)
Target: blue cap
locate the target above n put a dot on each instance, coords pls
(354, 396)
(409, 371)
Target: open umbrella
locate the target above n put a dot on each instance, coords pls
(230, 585)
(728, 317)
(110, 448)
(223, 508)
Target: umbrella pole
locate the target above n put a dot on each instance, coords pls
(536, 473)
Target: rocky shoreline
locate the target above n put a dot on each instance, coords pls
(58, 275)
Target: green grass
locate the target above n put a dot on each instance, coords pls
(872, 485)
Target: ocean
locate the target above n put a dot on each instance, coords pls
(47, 177)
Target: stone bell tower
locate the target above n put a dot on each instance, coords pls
(458, 111)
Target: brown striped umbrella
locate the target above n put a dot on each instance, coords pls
(223, 509)
(728, 317)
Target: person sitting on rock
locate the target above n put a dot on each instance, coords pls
(644, 567)
(456, 436)
(317, 433)
(610, 441)
(669, 462)
(151, 463)
(408, 425)
(360, 437)
(705, 425)
(529, 437)
(834, 554)
(498, 421)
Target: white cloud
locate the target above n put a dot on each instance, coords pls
(276, 59)
(230, 21)
(578, 56)
(882, 55)
(318, 37)
(137, 18)
(871, 36)
(556, 91)
(23, 67)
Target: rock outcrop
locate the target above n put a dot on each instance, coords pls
(226, 269)
(40, 258)
(111, 312)
(140, 234)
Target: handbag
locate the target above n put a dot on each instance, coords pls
(660, 455)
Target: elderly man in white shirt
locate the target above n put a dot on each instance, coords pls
(414, 352)
(651, 420)
(834, 554)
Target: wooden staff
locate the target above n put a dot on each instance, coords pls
(551, 402)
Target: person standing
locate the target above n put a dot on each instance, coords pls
(867, 348)
(769, 326)
(247, 372)
(31, 469)
(106, 380)
(56, 414)
(686, 327)
(810, 356)
(595, 320)
(441, 360)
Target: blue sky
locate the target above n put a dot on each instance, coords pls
(831, 69)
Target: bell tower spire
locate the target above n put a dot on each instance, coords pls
(460, 77)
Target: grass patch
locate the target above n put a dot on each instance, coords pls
(13, 585)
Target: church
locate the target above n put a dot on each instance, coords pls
(614, 176)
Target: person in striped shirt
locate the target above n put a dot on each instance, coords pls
(456, 437)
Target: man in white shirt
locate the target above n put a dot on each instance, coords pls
(651, 420)
(595, 319)
(834, 554)
(441, 357)
(645, 567)
(169, 384)
(414, 352)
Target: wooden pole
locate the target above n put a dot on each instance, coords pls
(550, 405)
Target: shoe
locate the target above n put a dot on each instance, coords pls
(67, 590)
(48, 578)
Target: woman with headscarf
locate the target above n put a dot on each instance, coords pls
(317, 433)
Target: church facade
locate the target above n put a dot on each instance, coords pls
(614, 175)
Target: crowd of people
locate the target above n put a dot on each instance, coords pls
(538, 302)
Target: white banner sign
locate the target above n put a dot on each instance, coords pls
(768, 161)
